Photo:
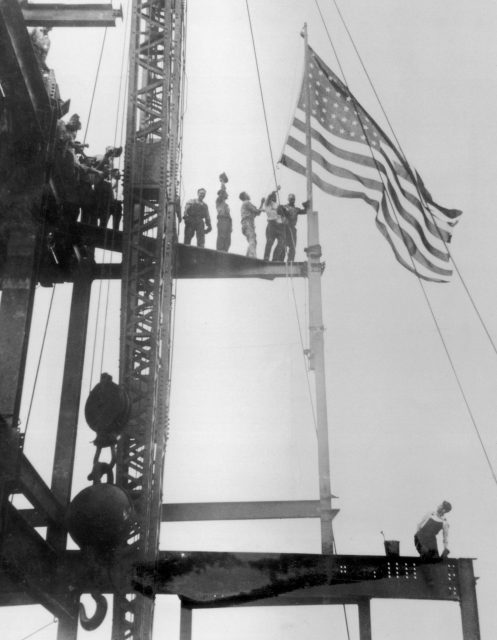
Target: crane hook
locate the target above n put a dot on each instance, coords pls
(90, 624)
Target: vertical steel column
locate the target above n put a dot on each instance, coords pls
(469, 606)
(316, 330)
(65, 444)
(15, 321)
(185, 625)
(365, 619)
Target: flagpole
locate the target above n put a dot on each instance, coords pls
(316, 330)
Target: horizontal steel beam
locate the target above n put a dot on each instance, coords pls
(190, 512)
(76, 15)
(210, 579)
(230, 579)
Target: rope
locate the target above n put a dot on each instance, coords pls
(119, 110)
(39, 360)
(306, 368)
(262, 98)
(344, 606)
(459, 384)
(478, 314)
(95, 83)
(30, 635)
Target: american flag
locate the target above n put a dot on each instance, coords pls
(353, 158)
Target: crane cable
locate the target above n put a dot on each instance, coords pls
(430, 307)
(33, 633)
(262, 96)
(121, 135)
(39, 362)
(97, 73)
(276, 187)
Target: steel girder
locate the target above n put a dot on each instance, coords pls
(150, 193)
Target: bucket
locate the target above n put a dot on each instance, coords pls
(392, 548)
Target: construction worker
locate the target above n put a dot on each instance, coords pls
(425, 539)
(248, 213)
(275, 230)
(291, 215)
(196, 212)
(41, 45)
(224, 222)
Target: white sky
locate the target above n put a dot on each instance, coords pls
(401, 439)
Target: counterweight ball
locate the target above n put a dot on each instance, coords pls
(100, 517)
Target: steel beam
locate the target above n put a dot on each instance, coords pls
(33, 566)
(20, 75)
(469, 606)
(195, 262)
(185, 623)
(213, 579)
(15, 320)
(31, 485)
(365, 619)
(65, 15)
(189, 261)
(190, 512)
(65, 445)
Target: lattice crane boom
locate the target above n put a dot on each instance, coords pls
(150, 203)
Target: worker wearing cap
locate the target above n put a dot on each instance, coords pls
(248, 213)
(425, 539)
(196, 212)
(291, 215)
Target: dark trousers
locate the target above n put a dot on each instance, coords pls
(275, 232)
(291, 241)
(195, 226)
(429, 550)
(224, 227)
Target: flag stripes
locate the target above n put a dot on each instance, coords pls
(353, 158)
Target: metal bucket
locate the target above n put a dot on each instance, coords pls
(392, 548)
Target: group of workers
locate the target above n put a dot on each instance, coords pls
(281, 229)
(88, 180)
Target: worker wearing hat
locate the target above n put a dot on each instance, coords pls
(425, 538)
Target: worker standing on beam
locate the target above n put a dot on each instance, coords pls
(291, 215)
(248, 213)
(224, 222)
(275, 230)
(425, 538)
(196, 212)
